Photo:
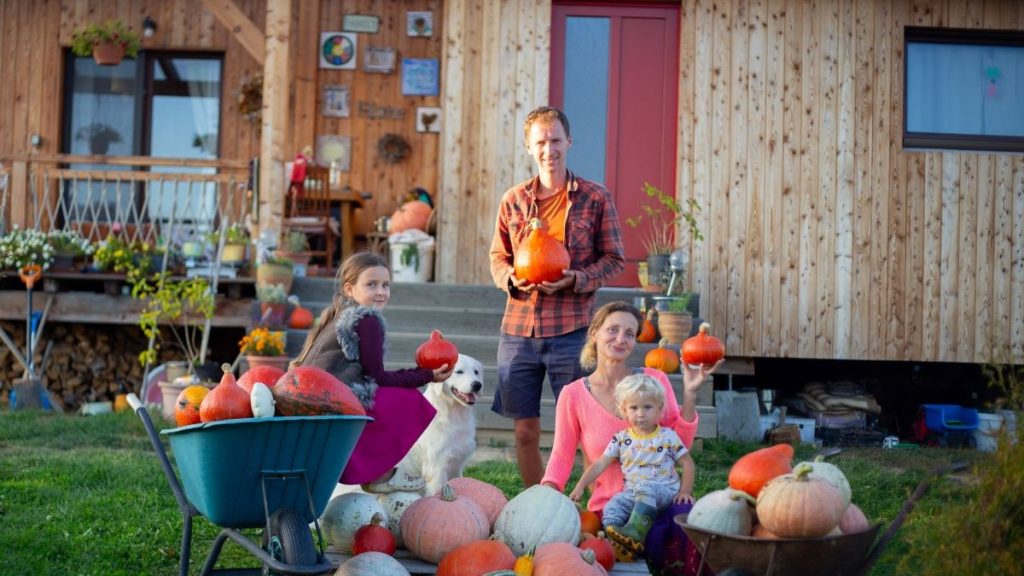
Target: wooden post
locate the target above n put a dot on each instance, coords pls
(276, 80)
(19, 194)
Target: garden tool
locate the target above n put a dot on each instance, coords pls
(30, 274)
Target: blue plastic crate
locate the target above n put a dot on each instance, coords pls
(949, 417)
(221, 464)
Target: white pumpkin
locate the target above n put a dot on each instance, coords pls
(727, 511)
(394, 504)
(372, 564)
(833, 475)
(538, 515)
(345, 514)
(262, 401)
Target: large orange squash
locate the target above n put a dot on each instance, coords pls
(186, 407)
(414, 214)
(752, 471)
(310, 391)
(540, 257)
(476, 558)
(703, 349)
(797, 505)
(226, 401)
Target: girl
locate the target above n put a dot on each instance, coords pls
(350, 342)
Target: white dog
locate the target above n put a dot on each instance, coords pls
(445, 447)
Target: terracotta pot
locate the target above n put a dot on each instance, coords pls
(270, 273)
(274, 314)
(674, 326)
(275, 361)
(108, 53)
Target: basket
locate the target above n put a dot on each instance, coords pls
(949, 417)
(224, 465)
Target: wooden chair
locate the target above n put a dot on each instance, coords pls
(309, 211)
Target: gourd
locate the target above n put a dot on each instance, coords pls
(186, 406)
(536, 516)
(345, 514)
(301, 318)
(562, 559)
(435, 525)
(797, 505)
(372, 564)
(853, 520)
(412, 215)
(226, 401)
(374, 537)
(604, 554)
(752, 471)
(394, 504)
(488, 497)
(648, 331)
(475, 558)
(661, 358)
(540, 257)
(524, 564)
(262, 401)
(728, 511)
(269, 375)
(590, 522)
(833, 475)
(311, 391)
(702, 349)
(436, 352)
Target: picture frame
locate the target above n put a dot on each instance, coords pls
(428, 119)
(419, 23)
(335, 151)
(364, 23)
(420, 77)
(338, 50)
(379, 60)
(336, 101)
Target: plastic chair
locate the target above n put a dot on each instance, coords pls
(309, 210)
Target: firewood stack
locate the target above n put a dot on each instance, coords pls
(88, 363)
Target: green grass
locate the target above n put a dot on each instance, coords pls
(85, 495)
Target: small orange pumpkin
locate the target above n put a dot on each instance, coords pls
(662, 358)
(437, 351)
(413, 214)
(477, 557)
(648, 333)
(604, 554)
(590, 522)
(752, 471)
(186, 407)
(226, 401)
(301, 318)
(703, 349)
(540, 257)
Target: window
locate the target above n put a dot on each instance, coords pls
(964, 89)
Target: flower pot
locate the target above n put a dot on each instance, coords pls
(298, 258)
(674, 326)
(274, 314)
(108, 53)
(657, 272)
(193, 249)
(273, 273)
(275, 361)
(169, 391)
(62, 263)
(233, 253)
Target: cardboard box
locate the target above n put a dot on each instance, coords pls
(806, 426)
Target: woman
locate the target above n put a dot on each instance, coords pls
(586, 415)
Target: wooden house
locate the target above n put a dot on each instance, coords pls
(825, 235)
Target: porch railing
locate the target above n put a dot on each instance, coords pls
(136, 198)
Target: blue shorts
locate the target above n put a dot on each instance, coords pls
(522, 364)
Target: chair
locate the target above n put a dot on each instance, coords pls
(309, 211)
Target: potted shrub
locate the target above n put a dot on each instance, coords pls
(663, 214)
(273, 301)
(264, 347)
(675, 320)
(21, 247)
(69, 249)
(295, 247)
(236, 239)
(108, 43)
(275, 270)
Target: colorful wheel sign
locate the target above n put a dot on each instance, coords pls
(337, 50)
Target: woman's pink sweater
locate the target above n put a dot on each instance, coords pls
(580, 420)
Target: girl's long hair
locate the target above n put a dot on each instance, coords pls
(348, 273)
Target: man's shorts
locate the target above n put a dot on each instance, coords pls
(522, 364)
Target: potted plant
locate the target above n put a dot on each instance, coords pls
(275, 270)
(99, 137)
(69, 249)
(264, 347)
(663, 214)
(675, 321)
(295, 247)
(273, 301)
(21, 247)
(236, 239)
(108, 43)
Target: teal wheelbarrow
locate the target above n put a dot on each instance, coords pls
(272, 473)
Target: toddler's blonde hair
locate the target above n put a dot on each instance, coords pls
(639, 385)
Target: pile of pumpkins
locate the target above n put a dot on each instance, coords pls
(266, 391)
(468, 529)
(770, 498)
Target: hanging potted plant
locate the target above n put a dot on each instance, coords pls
(108, 43)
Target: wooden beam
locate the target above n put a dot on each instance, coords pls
(239, 25)
(276, 80)
(86, 308)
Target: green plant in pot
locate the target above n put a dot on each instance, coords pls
(236, 238)
(295, 247)
(108, 42)
(68, 247)
(183, 306)
(662, 215)
(275, 270)
(273, 300)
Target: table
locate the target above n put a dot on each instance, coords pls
(346, 199)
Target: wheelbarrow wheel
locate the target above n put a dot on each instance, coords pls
(290, 540)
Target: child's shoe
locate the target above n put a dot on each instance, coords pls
(632, 535)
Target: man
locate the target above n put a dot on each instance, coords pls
(545, 325)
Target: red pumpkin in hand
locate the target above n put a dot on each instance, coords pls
(540, 257)
(374, 538)
(703, 349)
(226, 401)
(436, 352)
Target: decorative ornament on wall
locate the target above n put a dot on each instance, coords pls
(420, 76)
(250, 98)
(338, 50)
(428, 119)
(379, 60)
(336, 101)
(334, 151)
(393, 148)
(419, 24)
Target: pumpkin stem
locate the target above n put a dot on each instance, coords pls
(377, 519)
(447, 493)
(588, 556)
(704, 327)
(741, 495)
(802, 470)
(226, 368)
(663, 343)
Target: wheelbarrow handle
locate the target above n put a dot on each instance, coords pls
(134, 401)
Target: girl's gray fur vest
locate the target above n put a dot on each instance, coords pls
(340, 355)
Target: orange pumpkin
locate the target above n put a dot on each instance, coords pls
(590, 522)
(374, 537)
(798, 505)
(662, 358)
(226, 401)
(410, 215)
(752, 471)
(269, 375)
(186, 407)
(853, 520)
(648, 332)
(475, 558)
(436, 352)
(301, 318)
(436, 525)
(311, 391)
(703, 349)
(488, 497)
(540, 257)
(562, 559)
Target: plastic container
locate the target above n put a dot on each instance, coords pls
(946, 417)
(412, 256)
(986, 437)
(222, 464)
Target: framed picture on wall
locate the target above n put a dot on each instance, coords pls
(334, 151)
(379, 60)
(428, 119)
(338, 50)
(336, 101)
(419, 24)
(420, 76)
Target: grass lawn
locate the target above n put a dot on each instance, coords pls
(85, 495)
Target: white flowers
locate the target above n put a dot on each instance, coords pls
(20, 248)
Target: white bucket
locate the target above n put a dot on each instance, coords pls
(986, 436)
(411, 262)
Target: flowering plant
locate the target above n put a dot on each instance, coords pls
(263, 342)
(19, 248)
(70, 243)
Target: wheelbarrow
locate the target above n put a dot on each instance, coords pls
(272, 473)
(843, 555)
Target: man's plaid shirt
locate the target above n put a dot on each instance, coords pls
(594, 242)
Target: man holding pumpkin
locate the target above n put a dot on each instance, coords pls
(545, 323)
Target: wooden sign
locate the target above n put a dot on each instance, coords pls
(360, 23)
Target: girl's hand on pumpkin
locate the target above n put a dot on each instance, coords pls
(443, 373)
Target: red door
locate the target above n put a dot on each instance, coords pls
(614, 72)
